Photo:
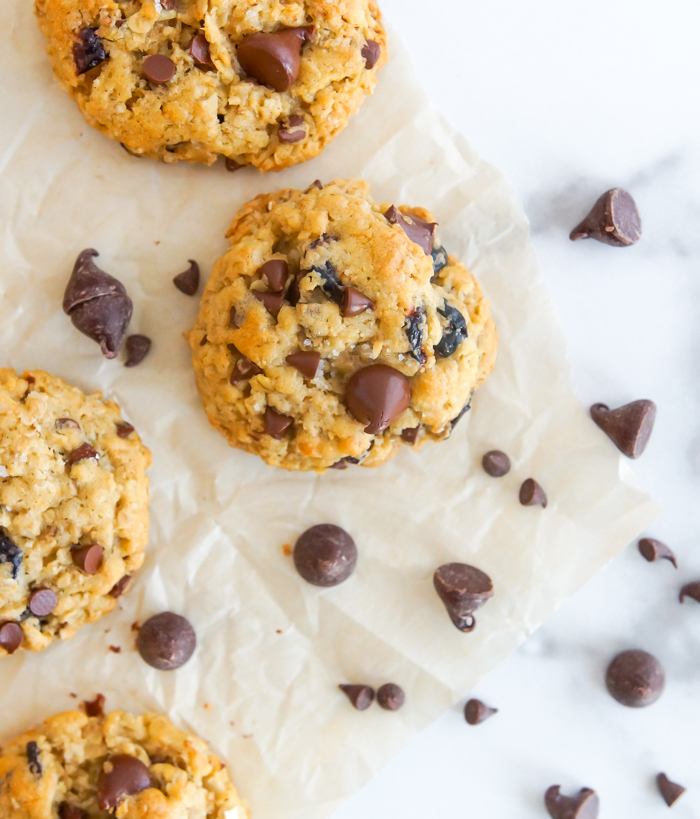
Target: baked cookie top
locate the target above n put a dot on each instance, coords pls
(73, 508)
(261, 82)
(335, 330)
(131, 767)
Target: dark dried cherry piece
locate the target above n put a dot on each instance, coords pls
(453, 334)
(331, 284)
(439, 255)
(413, 327)
(88, 50)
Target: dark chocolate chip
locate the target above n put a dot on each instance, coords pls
(410, 436)
(635, 678)
(293, 130)
(120, 586)
(440, 259)
(166, 641)
(96, 707)
(124, 429)
(272, 301)
(371, 52)
(376, 396)
(244, 369)
(10, 553)
(463, 589)
(274, 274)
(11, 636)
(66, 423)
(628, 427)
(187, 282)
(68, 811)
(88, 558)
(354, 303)
(122, 776)
(496, 463)
(671, 792)
(691, 590)
(330, 283)
(325, 555)
(231, 165)
(316, 184)
(475, 712)
(454, 331)
(413, 327)
(33, 760)
(42, 602)
(276, 424)
(199, 51)
(654, 550)
(274, 58)
(584, 805)
(307, 362)
(361, 696)
(417, 229)
(339, 465)
(83, 452)
(137, 348)
(391, 697)
(159, 69)
(532, 494)
(293, 292)
(88, 50)
(613, 220)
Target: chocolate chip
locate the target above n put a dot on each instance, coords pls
(293, 130)
(628, 427)
(11, 636)
(376, 396)
(654, 550)
(137, 348)
(166, 641)
(88, 50)
(417, 229)
(691, 590)
(168, 5)
(159, 69)
(66, 423)
(354, 303)
(463, 589)
(316, 184)
(244, 369)
(96, 707)
(413, 327)
(274, 274)
(330, 283)
(613, 220)
(97, 304)
(187, 282)
(124, 429)
(83, 452)
(454, 331)
(68, 811)
(361, 696)
(42, 602)
(123, 776)
(475, 712)
(584, 805)
(440, 259)
(635, 678)
(410, 436)
(391, 697)
(276, 424)
(325, 555)
(10, 553)
(339, 465)
(120, 586)
(671, 792)
(496, 463)
(371, 52)
(199, 51)
(88, 558)
(307, 362)
(231, 165)
(274, 58)
(532, 494)
(33, 758)
(272, 301)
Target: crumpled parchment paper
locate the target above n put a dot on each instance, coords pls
(262, 685)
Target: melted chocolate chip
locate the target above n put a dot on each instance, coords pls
(476, 712)
(654, 550)
(83, 452)
(413, 327)
(293, 130)
(293, 292)
(274, 58)
(463, 589)
(361, 696)
(272, 301)
(496, 463)
(187, 282)
(243, 370)
(628, 427)
(325, 555)
(410, 436)
(123, 776)
(274, 274)
(95, 708)
(417, 229)
(354, 303)
(376, 396)
(33, 760)
(137, 348)
(88, 50)
(124, 430)
(120, 586)
(159, 69)
(307, 362)
(454, 331)
(614, 220)
(42, 602)
(635, 678)
(10, 553)
(584, 805)
(532, 494)
(671, 792)
(68, 811)
(315, 184)
(199, 51)
(440, 259)
(88, 558)
(276, 424)
(11, 636)
(231, 165)
(371, 52)
(66, 423)
(166, 641)
(691, 590)
(391, 697)
(330, 283)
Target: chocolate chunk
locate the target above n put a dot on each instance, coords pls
(307, 362)
(66, 423)
(88, 558)
(187, 282)
(654, 550)
(635, 678)
(463, 589)
(231, 165)
(10, 553)
(293, 130)
(371, 52)
(413, 327)
(199, 51)
(97, 304)
(11, 636)
(274, 274)
(391, 697)
(691, 590)
(124, 430)
(496, 463)
(137, 348)
(96, 707)
(122, 776)
(417, 229)
(454, 331)
(613, 220)
(410, 436)
(584, 805)
(628, 427)
(83, 452)
(330, 283)
(159, 69)
(120, 586)
(244, 369)
(276, 424)
(316, 184)
(33, 760)
(68, 811)
(272, 301)
(354, 303)
(325, 555)
(376, 396)
(671, 792)
(361, 696)
(42, 602)
(88, 50)
(532, 494)
(440, 259)
(274, 58)
(475, 712)
(293, 292)
(166, 641)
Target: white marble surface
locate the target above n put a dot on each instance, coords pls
(570, 99)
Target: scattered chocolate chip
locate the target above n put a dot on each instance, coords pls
(124, 429)
(123, 776)
(496, 463)
(417, 229)
(671, 792)
(463, 589)
(276, 424)
(413, 327)
(635, 678)
(691, 590)
(199, 51)
(628, 427)
(440, 259)
(613, 220)
(354, 303)
(68, 811)
(231, 165)
(88, 50)
(10, 553)
(97, 304)
(307, 362)
(120, 586)
(371, 52)
(454, 331)
(475, 712)
(83, 452)
(654, 550)
(410, 436)
(42, 602)
(244, 369)
(166, 641)
(376, 396)
(391, 697)
(88, 558)
(187, 282)
(159, 69)
(11, 636)
(325, 555)
(33, 758)
(361, 696)
(532, 494)
(274, 58)
(66, 423)
(330, 283)
(137, 348)
(272, 301)
(96, 707)
(293, 130)
(584, 805)
(274, 274)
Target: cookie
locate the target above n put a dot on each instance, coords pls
(266, 83)
(73, 508)
(132, 767)
(336, 330)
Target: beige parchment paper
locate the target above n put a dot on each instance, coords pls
(262, 685)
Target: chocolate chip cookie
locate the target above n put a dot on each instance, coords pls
(80, 767)
(73, 508)
(336, 330)
(266, 83)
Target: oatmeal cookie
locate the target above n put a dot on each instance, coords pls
(335, 330)
(261, 82)
(73, 508)
(131, 767)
